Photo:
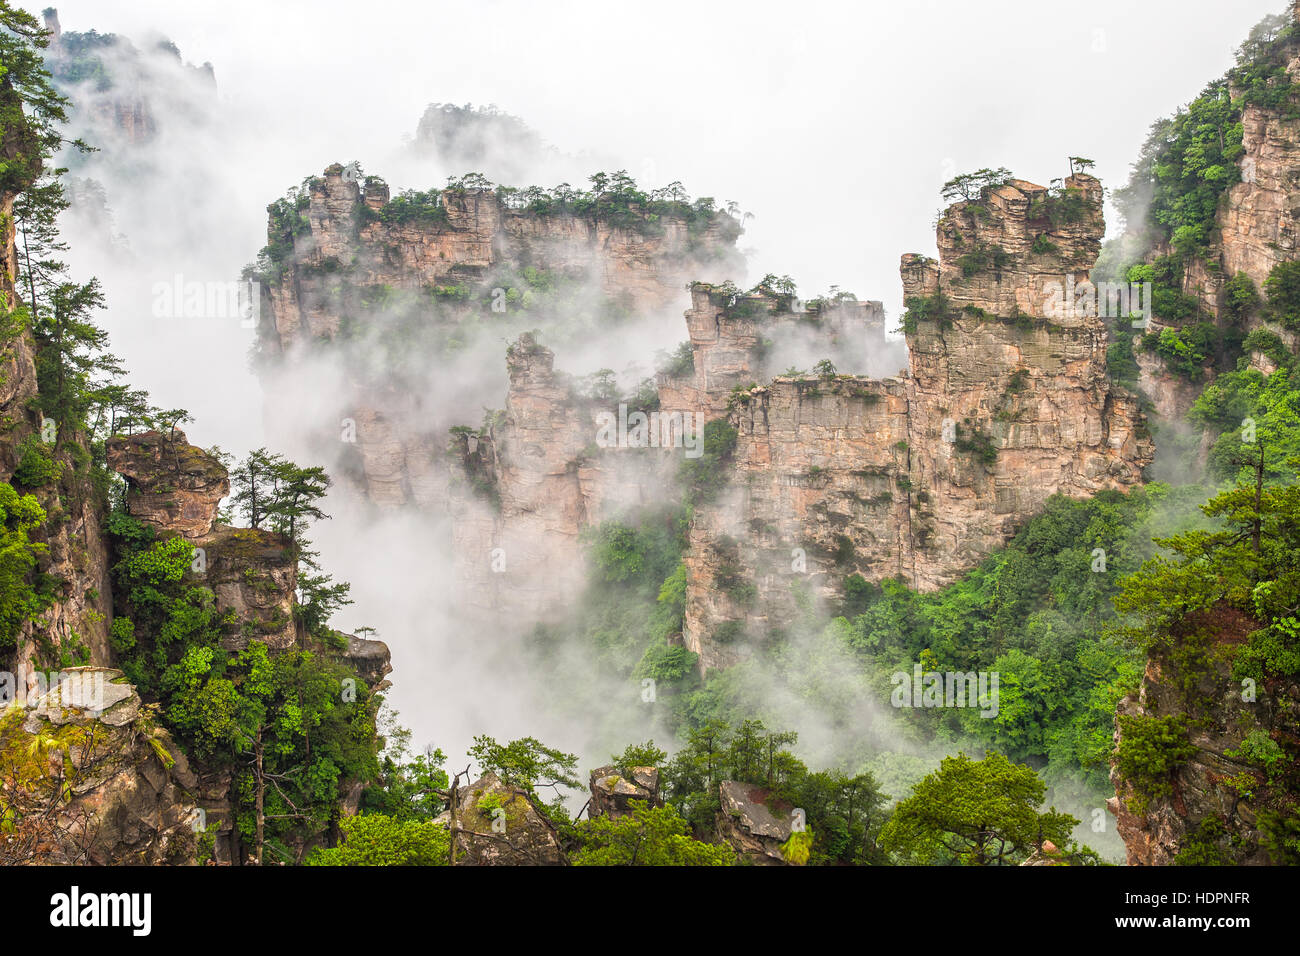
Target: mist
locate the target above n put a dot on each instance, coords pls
(835, 129)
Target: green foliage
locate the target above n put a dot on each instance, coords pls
(704, 477)
(844, 812)
(639, 755)
(679, 363)
(31, 110)
(414, 207)
(1280, 835)
(825, 369)
(36, 465)
(1201, 846)
(1268, 344)
(970, 440)
(526, 763)
(646, 837)
(1042, 246)
(975, 813)
(1244, 564)
(1185, 351)
(970, 187)
(1037, 612)
(1252, 413)
(224, 707)
(407, 787)
(373, 839)
(1283, 289)
(983, 258)
(1240, 297)
(925, 308)
(1262, 751)
(1151, 748)
(1190, 160)
(20, 598)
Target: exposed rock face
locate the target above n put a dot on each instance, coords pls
(77, 624)
(923, 475)
(254, 574)
(177, 488)
(611, 790)
(348, 262)
(1203, 789)
(1009, 403)
(171, 484)
(528, 488)
(1257, 226)
(1046, 854)
(498, 825)
(746, 823)
(1005, 403)
(118, 103)
(132, 793)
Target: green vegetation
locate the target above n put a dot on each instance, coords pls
(1190, 160)
(280, 723)
(20, 598)
(975, 813)
(983, 258)
(1283, 289)
(971, 441)
(931, 308)
(373, 839)
(647, 837)
(704, 477)
(1150, 750)
(1240, 297)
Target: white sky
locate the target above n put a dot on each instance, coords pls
(833, 123)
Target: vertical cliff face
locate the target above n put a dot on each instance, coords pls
(1211, 801)
(75, 625)
(1010, 402)
(527, 486)
(117, 89)
(1255, 227)
(1006, 402)
(407, 288)
(816, 493)
(176, 488)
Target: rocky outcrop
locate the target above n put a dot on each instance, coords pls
(75, 626)
(494, 824)
(749, 827)
(612, 789)
(381, 277)
(90, 778)
(1009, 398)
(1213, 800)
(171, 484)
(1046, 854)
(1005, 402)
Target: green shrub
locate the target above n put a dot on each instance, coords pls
(1150, 750)
(1283, 289)
(1240, 297)
(36, 464)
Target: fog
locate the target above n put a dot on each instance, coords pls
(834, 126)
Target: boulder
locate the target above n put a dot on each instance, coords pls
(612, 789)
